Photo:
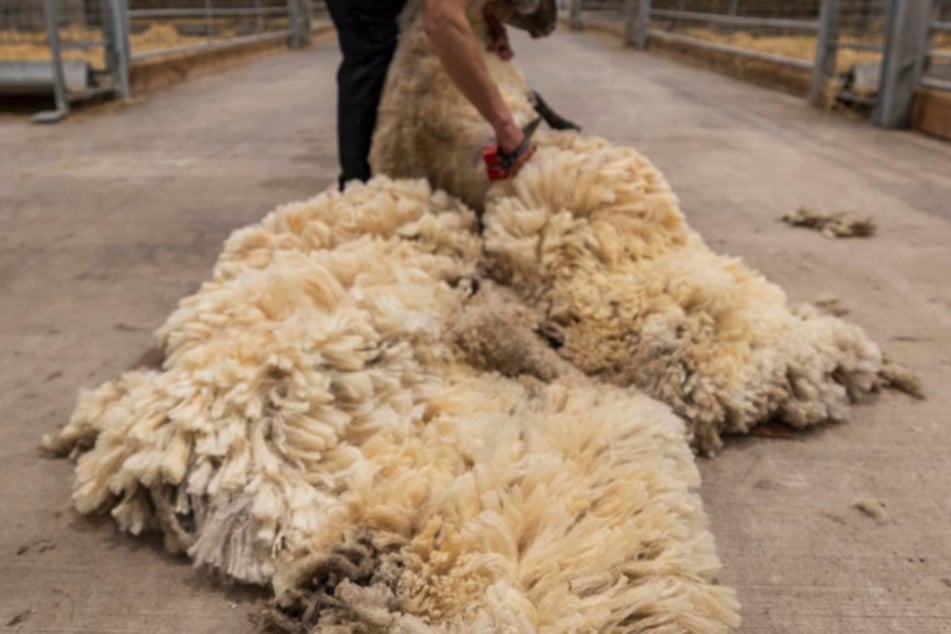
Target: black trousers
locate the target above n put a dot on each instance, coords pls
(368, 31)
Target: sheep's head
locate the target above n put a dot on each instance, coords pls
(538, 17)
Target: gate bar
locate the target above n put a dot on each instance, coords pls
(830, 15)
(119, 39)
(906, 47)
(56, 59)
(643, 23)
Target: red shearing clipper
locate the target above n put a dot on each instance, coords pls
(499, 164)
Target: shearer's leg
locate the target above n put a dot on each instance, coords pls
(368, 32)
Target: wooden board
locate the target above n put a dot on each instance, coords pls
(931, 112)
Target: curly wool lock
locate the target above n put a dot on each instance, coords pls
(314, 427)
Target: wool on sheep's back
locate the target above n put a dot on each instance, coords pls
(313, 427)
(427, 128)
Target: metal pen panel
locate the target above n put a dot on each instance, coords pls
(937, 65)
(776, 31)
(165, 28)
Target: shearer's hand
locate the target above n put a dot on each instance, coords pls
(510, 139)
(498, 37)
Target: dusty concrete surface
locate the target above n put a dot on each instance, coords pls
(108, 219)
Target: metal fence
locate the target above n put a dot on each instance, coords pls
(756, 30)
(174, 27)
(871, 53)
(937, 72)
(866, 53)
(604, 10)
(68, 48)
(850, 48)
(77, 49)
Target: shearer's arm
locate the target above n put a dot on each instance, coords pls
(454, 41)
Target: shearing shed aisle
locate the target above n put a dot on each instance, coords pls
(84, 285)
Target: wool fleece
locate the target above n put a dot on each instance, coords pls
(591, 237)
(316, 427)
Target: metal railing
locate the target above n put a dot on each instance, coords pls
(77, 49)
(741, 29)
(177, 27)
(866, 53)
(937, 72)
(604, 10)
(850, 50)
(71, 49)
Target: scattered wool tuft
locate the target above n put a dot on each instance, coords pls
(833, 225)
(873, 508)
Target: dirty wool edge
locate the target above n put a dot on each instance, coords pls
(311, 398)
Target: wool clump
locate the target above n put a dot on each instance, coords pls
(315, 426)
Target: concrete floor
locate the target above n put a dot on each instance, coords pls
(108, 219)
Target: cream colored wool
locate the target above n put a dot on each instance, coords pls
(591, 237)
(273, 372)
(312, 395)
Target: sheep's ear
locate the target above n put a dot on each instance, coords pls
(538, 23)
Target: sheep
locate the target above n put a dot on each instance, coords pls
(425, 126)
(312, 398)
(592, 239)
